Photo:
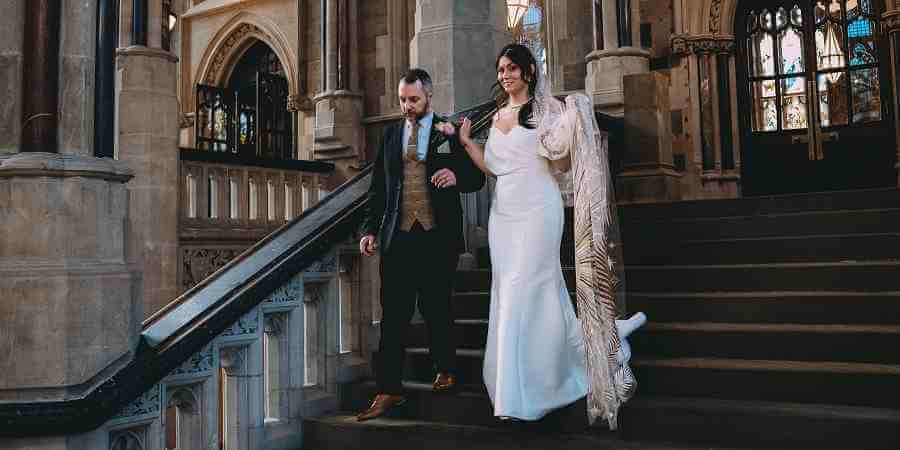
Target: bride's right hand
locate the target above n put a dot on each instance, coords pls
(465, 132)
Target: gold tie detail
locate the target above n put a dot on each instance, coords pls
(412, 146)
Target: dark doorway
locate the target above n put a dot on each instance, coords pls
(814, 88)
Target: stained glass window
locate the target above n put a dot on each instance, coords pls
(845, 68)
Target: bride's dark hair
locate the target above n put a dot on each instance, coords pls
(522, 57)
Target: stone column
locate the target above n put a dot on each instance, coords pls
(339, 136)
(12, 23)
(457, 42)
(148, 142)
(67, 288)
(40, 111)
(648, 175)
(891, 24)
(714, 159)
(616, 53)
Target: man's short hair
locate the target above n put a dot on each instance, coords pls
(416, 74)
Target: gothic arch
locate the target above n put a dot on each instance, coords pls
(233, 39)
(710, 17)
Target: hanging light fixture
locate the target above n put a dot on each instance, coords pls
(515, 9)
(832, 56)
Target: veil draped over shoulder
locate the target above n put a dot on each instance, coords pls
(569, 128)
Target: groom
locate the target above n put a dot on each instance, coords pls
(415, 212)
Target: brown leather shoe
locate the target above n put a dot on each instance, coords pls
(381, 405)
(444, 382)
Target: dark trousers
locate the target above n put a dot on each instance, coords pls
(419, 264)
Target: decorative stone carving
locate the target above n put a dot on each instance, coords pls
(199, 362)
(231, 359)
(328, 263)
(247, 324)
(274, 323)
(221, 57)
(312, 293)
(186, 121)
(715, 16)
(200, 263)
(706, 43)
(299, 102)
(890, 22)
(129, 439)
(292, 291)
(146, 404)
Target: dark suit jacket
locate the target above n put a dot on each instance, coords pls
(387, 182)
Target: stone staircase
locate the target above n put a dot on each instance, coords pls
(774, 323)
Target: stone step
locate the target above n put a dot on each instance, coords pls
(809, 307)
(757, 206)
(784, 341)
(847, 383)
(341, 431)
(795, 224)
(843, 276)
(863, 276)
(469, 333)
(843, 383)
(472, 304)
(818, 426)
(819, 248)
(689, 421)
(762, 341)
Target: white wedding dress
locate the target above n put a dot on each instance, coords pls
(534, 361)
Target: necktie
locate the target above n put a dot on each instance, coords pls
(412, 146)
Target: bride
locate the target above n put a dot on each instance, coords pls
(539, 355)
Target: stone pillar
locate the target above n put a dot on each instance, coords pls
(76, 76)
(12, 23)
(67, 287)
(457, 42)
(148, 142)
(616, 53)
(40, 111)
(891, 25)
(147, 133)
(648, 173)
(339, 136)
(569, 37)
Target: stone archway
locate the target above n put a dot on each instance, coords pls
(234, 39)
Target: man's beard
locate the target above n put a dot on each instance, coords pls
(420, 114)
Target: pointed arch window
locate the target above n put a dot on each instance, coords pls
(249, 117)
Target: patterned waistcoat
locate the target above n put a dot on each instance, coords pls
(415, 204)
